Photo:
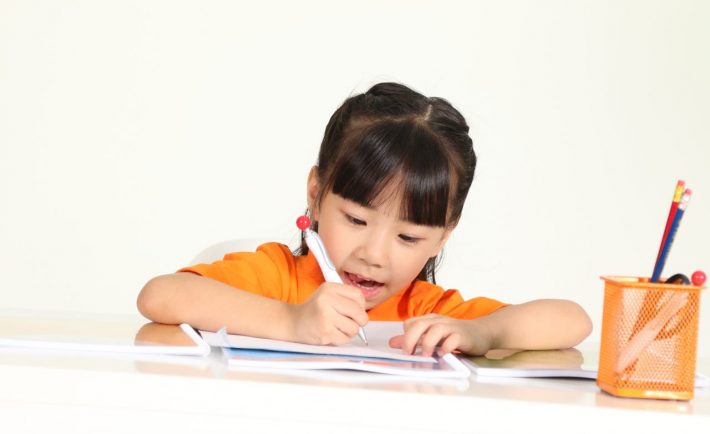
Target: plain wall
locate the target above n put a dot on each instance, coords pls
(133, 134)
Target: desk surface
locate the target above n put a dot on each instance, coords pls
(83, 393)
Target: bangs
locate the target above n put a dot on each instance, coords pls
(392, 159)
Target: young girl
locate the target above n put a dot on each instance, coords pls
(393, 172)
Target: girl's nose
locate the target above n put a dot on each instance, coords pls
(374, 250)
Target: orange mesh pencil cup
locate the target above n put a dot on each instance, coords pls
(649, 338)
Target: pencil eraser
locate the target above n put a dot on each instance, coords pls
(303, 222)
(698, 278)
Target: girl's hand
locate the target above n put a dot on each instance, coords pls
(443, 334)
(331, 316)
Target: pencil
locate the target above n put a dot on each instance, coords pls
(650, 301)
(658, 269)
(677, 194)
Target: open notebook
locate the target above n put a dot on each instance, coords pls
(89, 333)
(378, 356)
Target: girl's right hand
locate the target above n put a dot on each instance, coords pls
(331, 316)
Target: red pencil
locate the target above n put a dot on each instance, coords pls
(677, 194)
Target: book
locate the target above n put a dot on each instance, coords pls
(105, 334)
(377, 356)
(570, 362)
(566, 363)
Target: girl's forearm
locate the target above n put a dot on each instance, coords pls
(207, 304)
(538, 325)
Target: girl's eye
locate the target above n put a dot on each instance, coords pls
(408, 239)
(355, 221)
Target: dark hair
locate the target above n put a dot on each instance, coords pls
(392, 133)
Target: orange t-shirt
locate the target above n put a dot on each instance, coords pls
(273, 271)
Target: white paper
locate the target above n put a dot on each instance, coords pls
(447, 366)
(378, 336)
(107, 334)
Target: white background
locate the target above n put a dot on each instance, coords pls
(133, 134)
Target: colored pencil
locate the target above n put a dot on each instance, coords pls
(677, 194)
(658, 269)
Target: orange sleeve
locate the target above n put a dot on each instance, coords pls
(429, 298)
(452, 304)
(264, 272)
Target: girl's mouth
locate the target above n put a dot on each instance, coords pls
(369, 287)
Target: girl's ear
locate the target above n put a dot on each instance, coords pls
(312, 190)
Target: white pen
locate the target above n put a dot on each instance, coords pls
(315, 244)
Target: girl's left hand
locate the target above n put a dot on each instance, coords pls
(443, 334)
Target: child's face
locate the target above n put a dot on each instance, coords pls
(372, 249)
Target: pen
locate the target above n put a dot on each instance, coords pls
(315, 244)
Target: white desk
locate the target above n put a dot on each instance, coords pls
(63, 392)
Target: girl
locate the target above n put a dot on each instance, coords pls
(393, 172)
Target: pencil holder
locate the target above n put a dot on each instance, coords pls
(649, 338)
